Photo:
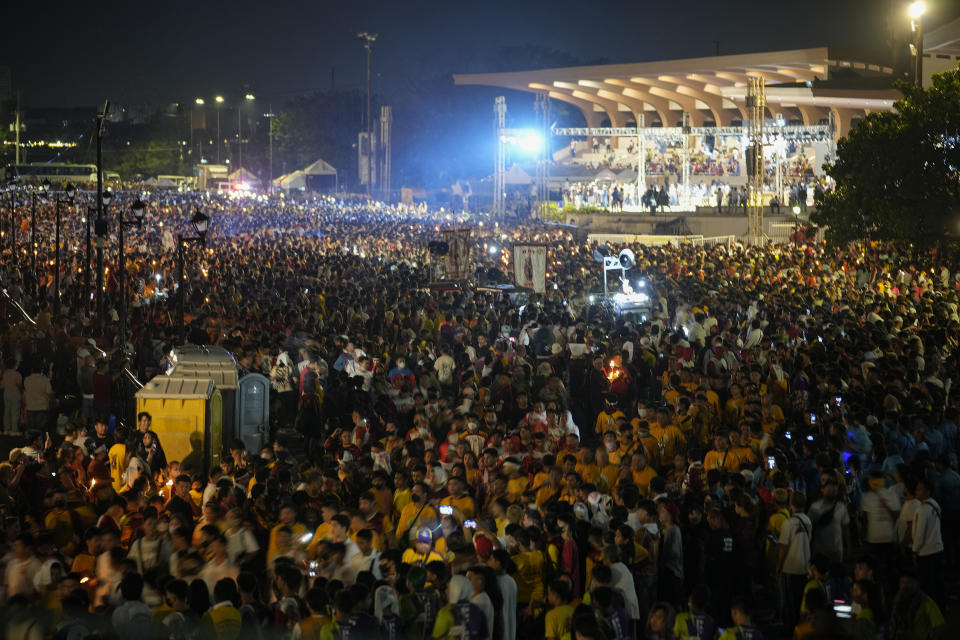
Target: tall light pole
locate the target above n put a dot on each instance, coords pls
(42, 189)
(219, 101)
(247, 98)
(138, 208)
(68, 192)
(368, 39)
(101, 229)
(200, 224)
(200, 102)
(103, 199)
(270, 115)
(916, 11)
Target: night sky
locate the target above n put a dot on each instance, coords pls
(78, 53)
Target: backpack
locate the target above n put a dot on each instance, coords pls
(359, 627)
(469, 621)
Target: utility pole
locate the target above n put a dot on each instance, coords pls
(270, 115)
(101, 307)
(368, 39)
(16, 155)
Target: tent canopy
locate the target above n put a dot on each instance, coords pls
(516, 175)
(605, 176)
(295, 180)
(243, 175)
(320, 168)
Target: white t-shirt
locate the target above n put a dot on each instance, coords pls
(881, 509)
(795, 534)
(927, 538)
(444, 367)
(241, 542)
(622, 580)
(508, 591)
(19, 576)
(905, 520)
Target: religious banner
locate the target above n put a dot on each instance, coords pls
(457, 263)
(530, 266)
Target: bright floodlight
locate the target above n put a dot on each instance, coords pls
(529, 141)
(917, 9)
(199, 100)
(249, 96)
(493, 249)
(219, 99)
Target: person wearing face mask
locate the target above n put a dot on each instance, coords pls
(416, 512)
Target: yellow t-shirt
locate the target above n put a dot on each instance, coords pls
(529, 576)
(589, 472)
(116, 456)
(464, 504)
(723, 461)
(557, 622)
(298, 529)
(642, 478)
(607, 421)
(405, 523)
(516, 487)
(401, 499)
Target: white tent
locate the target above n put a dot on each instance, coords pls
(320, 168)
(605, 176)
(320, 176)
(296, 180)
(516, 175)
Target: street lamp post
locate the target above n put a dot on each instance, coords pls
(138, 208)
(101, 231)
(33, 224)
(200, 224)
(69, 192)
(247, 98)
(88, 261)
(200, 102)
(219, 101)
(13, 190)
(916, 11)
(270, 115)
(796, 221)
(368, 39)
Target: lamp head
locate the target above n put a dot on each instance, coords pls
(107, 197)
(219, 99)
(139, 209)
(917, 9)
(249, 96)
(199, 101)
(201, 223)
(45, 186)
(70, 190)
(796, 209)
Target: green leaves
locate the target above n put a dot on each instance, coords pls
(897, 173)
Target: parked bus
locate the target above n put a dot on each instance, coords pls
(55, 173)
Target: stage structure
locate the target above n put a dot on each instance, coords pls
(757, 104)
(542, 107)
(775, 136)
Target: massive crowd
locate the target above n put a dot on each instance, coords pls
(772, 454)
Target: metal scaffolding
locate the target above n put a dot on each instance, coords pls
(542, 107)
(757, 105)
(500, 169)
(386, 143)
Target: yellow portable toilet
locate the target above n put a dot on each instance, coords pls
(187, 417)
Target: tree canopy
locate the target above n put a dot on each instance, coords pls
(898, 174)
